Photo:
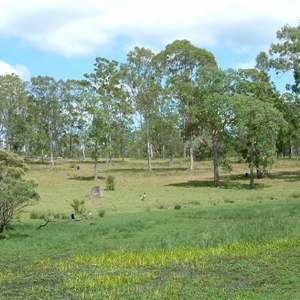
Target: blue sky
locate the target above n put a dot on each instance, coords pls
(62, 38)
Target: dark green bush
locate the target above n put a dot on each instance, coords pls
(110, 183)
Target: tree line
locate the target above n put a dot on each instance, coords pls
(177, 102)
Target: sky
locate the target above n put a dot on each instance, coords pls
(62, 39)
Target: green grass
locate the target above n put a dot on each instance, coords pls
(224, 243)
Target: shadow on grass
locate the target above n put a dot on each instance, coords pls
(145, 170)
(230, 183)
(289, 176)
(86, 178)
(193, 183)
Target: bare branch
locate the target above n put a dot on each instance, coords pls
(47, 221)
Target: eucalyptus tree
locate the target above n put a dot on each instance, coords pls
(259, 123)
(75, 101)
(143, 84)
(97, 134)
(284, 56)
(46, 106)
(13, 112)
(106, 83)
(214, 111)
(289, 136)
(179, 63)
(255, 84)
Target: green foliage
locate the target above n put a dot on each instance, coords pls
(15, 193)
(78, 206)
(110, 182)
(101, 213)
(13, 112)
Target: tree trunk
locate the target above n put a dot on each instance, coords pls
(96, 162)
(83, 151)
(191, 150)
(70, 143)
(172, 159)
(215, 159)
(184, 150)
(7, 142)
(51, 148)
(43, 155)
(290, 149)
(251, 165)
(2, 226)
(148, 144)
(108, 152)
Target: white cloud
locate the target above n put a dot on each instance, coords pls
(19, 70)
(74, 28)
(244, 65)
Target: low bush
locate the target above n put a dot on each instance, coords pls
(110, 183)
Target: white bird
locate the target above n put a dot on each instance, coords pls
(143, 197)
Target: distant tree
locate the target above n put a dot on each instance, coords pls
(13, 112)
(289, 136)
(106, 82)
(15, 192)
(96, 135)
(75, 101)
(45, 94)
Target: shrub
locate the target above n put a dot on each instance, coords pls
(177, 206)
(101, 213)
(296, 195)
(78, 206)
(228, 201)
(110, 182)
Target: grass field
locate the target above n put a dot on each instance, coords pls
(187, 240)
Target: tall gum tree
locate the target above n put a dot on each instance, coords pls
(284, 57)
(108, 82)
(143, 84)
(213, 110)
(179, 63)
(75, 99)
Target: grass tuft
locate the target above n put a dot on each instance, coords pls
(101, 213)
(177, 206)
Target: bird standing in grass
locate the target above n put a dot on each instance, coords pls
(143, 197)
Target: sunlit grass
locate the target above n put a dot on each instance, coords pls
(161, 257)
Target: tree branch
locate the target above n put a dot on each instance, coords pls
(47, 221)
